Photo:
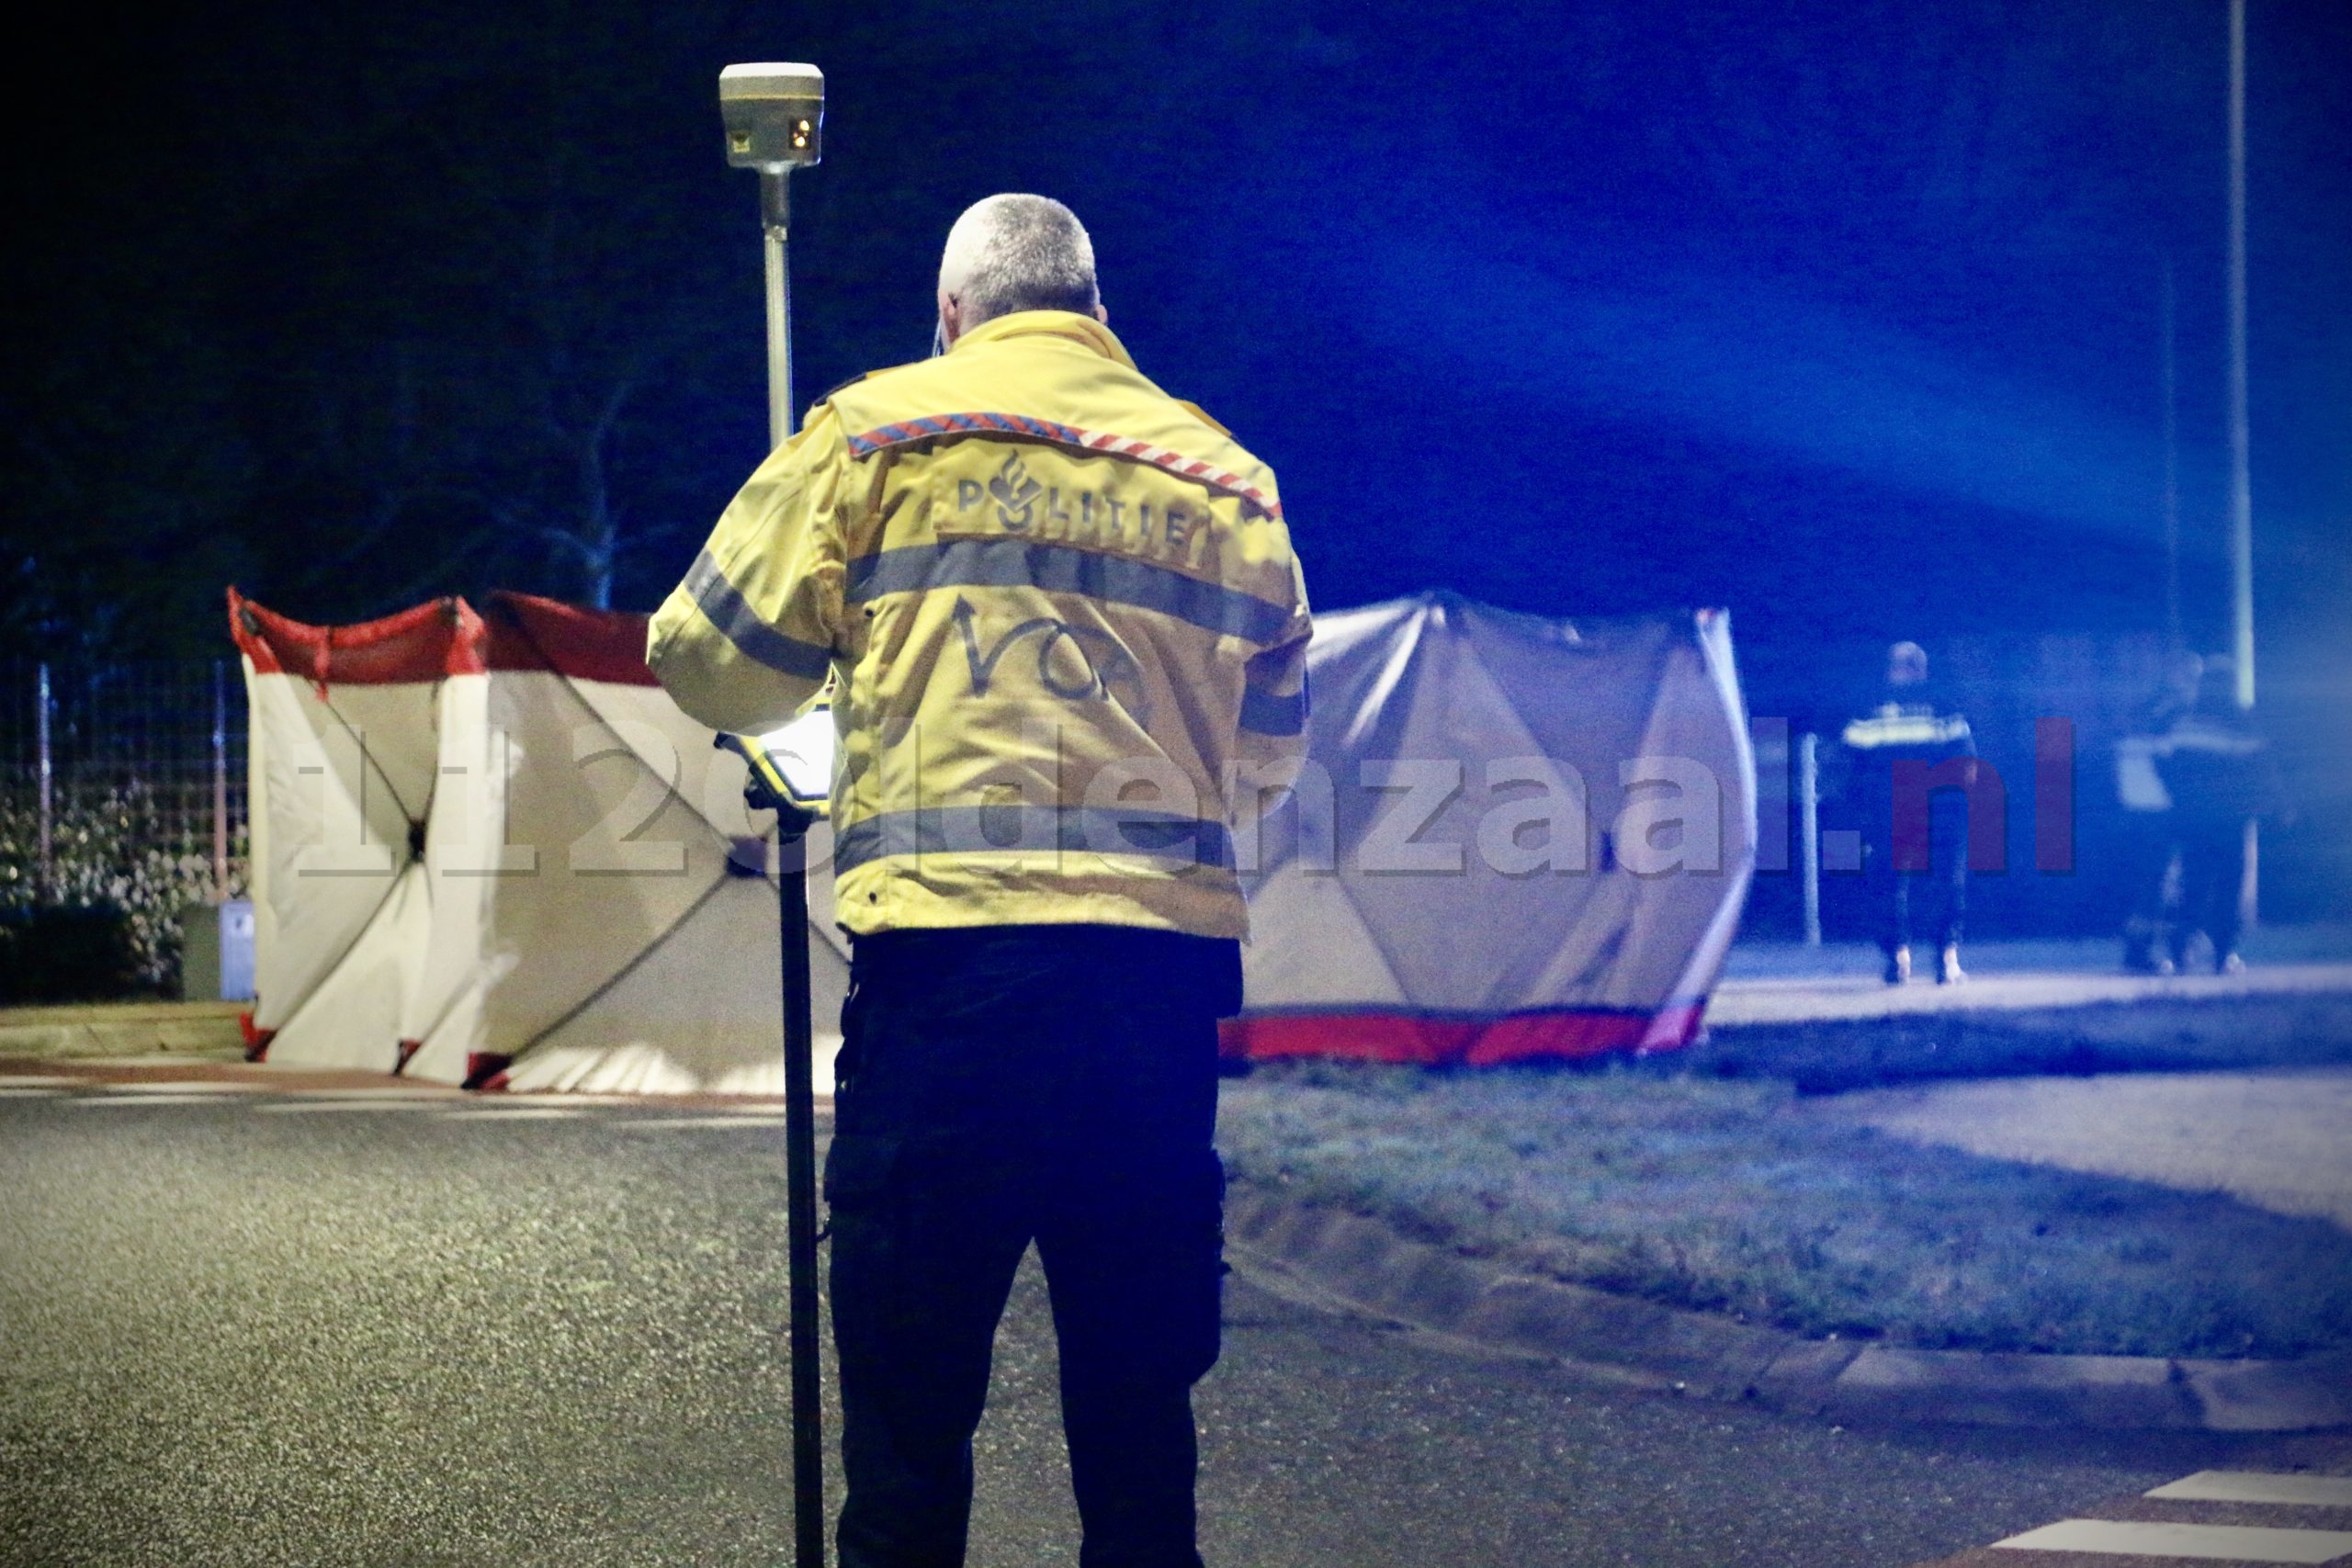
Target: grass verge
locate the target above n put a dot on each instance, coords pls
(1722, 1196)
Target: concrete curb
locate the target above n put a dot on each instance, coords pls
(276, 1078)
(124, 1029)
(1363, 1263)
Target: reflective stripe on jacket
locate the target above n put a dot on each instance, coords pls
(1069, 633)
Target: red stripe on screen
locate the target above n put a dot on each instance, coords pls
(433, 640)
(528, 633)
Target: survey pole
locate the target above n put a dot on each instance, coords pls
(775, 227)
(793, 823)
(774, 115)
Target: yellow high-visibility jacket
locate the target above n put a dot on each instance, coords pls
(1068, 634)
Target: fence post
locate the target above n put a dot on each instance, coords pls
(220, 786)
(47, 869)
(1809, 831)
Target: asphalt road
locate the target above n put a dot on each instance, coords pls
(389, 1339)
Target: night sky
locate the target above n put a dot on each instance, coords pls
(1846, 315)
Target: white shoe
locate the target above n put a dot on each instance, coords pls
(1948, 970)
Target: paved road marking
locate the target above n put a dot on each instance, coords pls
(183, 1087)
(701, 1121)
(427, 1093)
(286, 1099)
(2233, 1494)
(2260, 1487)
(2233, 1543)
(297, 1108)
(511, 1114)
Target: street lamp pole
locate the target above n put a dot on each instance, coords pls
(2241, 486)
(2176, 640)
(773, 116)
(2241, 483)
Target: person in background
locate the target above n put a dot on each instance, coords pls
(2151, 843)
(1906, 725)
(2219, 772)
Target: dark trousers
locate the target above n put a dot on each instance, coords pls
(2147, 849)
(2213, 874)
(997, 1087)
(1900, 895)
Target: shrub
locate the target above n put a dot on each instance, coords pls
(67, 954)
(114, 847)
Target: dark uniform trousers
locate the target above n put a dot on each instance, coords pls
(1944, 880)
(1000, 1085)
(2213, 874)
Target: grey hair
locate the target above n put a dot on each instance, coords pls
(1018, 252)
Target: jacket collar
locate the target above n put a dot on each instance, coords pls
(1084, 331)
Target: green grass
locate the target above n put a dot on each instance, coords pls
(1723, 1196)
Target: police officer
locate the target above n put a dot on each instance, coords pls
(2149, 839)
(2219, 772)
(1068, 638)
(1906, 725)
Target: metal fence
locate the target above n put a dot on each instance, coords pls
(124, 784)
